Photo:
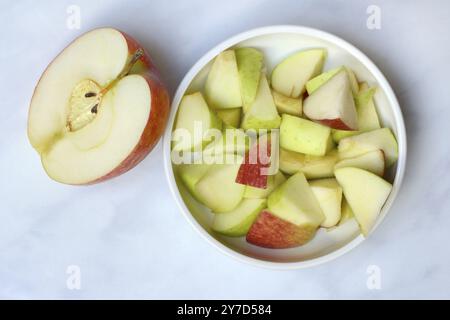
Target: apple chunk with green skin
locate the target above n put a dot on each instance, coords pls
(190, 174)
(313, 84)
(98, 109)
(231, 117)
(270, 231)
(304, 136)
(218, 189)
(367, 114)
(232, 141)
(260, 193)
(249, 64)
(295, 202)
(329, 195)
(332, 104)
(380, 139)
(262, 113)
(290, 75)
(372, 161)
(193, 113)
(222, 87)
(366, 194)
(237, 222)
(313, 167)
(287, 105)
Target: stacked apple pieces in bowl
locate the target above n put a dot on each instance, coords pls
(326, 151)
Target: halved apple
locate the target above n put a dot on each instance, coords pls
(380, 139)
(332, 103)
(290, 75)
(262, 113)
(287, 105)
(98, 109)
(366, 194)
(329, 195)
(237, 222)
(301, 135)
(222, 88)
(270, 231)
(218, 189)
(372, 161)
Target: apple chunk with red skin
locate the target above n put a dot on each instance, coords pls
(256, 161)
(99, 108)
(292, 219)
(269, 231)
(332, 104)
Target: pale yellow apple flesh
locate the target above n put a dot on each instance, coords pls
(89, 110)
(372, 161)
(329, 195)
(366, 194)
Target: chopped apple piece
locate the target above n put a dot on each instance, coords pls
(251, 172)
(366, 194)
(380, 139)
(238, 221)
(193, 112)
(301, 135)
(338, 135)
(262, 113)
(218, 189)
(232, 141)
(295, 202)
(287, 105)
(313, 84)
(190, 174)
(329, 195)
(346, 212)
(332, 104)
(231, 117)
(222, 87)
(270, 231)
(313, 167)
(367, 113)
(372, 161)
(290, 76)
(250, 63)
(259, 193)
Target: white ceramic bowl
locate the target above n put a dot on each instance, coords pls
(277, 42)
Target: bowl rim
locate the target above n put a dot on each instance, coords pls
(382, 83)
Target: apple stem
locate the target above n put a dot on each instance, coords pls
(139, 53)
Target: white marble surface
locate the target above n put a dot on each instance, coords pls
(127, 235)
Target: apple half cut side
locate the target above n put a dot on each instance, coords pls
(99, 108)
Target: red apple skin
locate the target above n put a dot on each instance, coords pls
(157, 120)
(269, 231)
(336, 124)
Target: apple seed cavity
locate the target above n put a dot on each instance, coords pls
(87, 95)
